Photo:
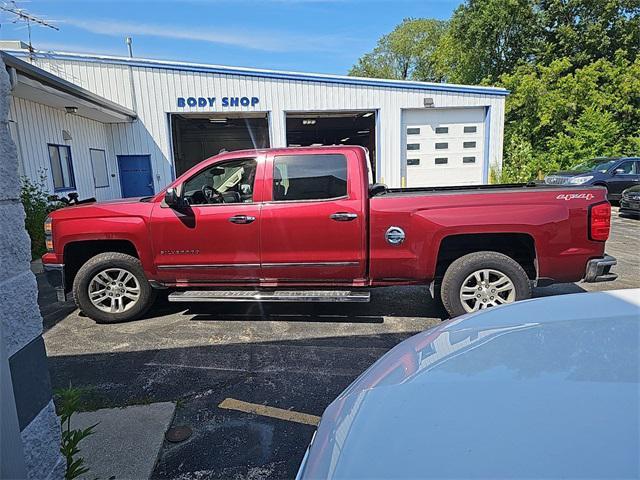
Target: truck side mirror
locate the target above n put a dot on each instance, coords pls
(377, 189)
(618, 171)
(172, 199)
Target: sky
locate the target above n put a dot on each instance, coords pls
(323, 36)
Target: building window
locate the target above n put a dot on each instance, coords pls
(413, 161)
(99, 167)
(468, 159)
(471, 129)
(442, 129)
(469, 144)
(442, 146)
(61, 167)
(309, 177)
(413, 146)
(442, 161)
(413, 131)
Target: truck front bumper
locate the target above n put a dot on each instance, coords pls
(55, 276)
(599, 269)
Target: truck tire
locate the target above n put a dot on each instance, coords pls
(481, 280)
(111, 287)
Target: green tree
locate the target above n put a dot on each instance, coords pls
(566, 115)
(594, 133)
(488, 38)
(586, 30)
(485, 39)
(405, 53)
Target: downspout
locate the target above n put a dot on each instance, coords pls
(134, 104)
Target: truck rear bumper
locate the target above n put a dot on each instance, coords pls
(55, 276)
(599, 269)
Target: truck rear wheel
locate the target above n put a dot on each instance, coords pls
(482, 280)
(111, 287)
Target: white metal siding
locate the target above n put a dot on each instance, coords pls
(36, 125)
(158, 88)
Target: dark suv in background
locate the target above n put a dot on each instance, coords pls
(617, 174)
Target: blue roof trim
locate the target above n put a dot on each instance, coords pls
(185, 67)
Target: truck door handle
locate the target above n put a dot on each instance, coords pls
(343, 216)
(242, 219)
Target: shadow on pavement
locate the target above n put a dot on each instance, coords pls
(557, 289)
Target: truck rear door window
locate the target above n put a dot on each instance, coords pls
(309, 177)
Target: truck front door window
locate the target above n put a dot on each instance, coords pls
(230, 182)
(309, 177)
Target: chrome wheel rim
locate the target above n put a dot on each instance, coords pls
(114, 290)
(486, 288)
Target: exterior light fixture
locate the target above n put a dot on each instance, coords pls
(71, 110)
(428, 102)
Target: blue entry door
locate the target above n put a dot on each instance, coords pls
(136, 179)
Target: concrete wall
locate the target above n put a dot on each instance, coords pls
(31, 416)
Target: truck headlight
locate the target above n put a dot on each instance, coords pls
(579, 180)
(48, 234)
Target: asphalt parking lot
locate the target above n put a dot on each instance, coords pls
(297, 358)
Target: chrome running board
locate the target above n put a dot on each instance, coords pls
(269, 296)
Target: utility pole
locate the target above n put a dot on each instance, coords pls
(21, 15)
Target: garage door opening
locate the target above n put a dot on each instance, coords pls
(200, 136)
(306, 129)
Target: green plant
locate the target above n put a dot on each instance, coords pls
(495, 175)
(37, 205)
(68, 402)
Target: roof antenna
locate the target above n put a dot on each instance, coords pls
(21, 15)
(129, 46)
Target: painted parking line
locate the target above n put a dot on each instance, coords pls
(266, 411)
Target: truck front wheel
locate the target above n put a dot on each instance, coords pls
(482, 280)
(111, 287)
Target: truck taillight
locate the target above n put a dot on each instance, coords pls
(599, 221)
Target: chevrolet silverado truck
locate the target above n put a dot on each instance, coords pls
(308, 224)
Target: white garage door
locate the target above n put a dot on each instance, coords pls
(443, 146)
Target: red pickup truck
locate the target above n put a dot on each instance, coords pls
(307, 224)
